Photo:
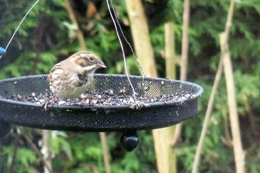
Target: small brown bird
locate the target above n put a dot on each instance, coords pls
(73, 76)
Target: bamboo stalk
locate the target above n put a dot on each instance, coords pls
(36, 150)
(207, 116)
(234, 120)
(15, 148)
(165, 153)
(185, 40)
(74, 21)
(235, 129)
(168, 164)
(184, 59)
(105, 151)
(140, 34)
(45, 144)
(165, 157)
(170, 50)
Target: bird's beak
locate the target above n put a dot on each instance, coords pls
(101, 65)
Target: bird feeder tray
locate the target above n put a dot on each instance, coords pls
(111, 106)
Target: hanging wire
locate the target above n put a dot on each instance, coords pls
(122, 48)
(20, 25)
(130, 46)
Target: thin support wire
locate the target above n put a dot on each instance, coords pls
(130, 46)
(122, 48)
(20, 25)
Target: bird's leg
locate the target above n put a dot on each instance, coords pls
(49, 102)
(86, 97)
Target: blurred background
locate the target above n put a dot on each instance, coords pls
(55, 29)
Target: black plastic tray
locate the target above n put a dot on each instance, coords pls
(150, 115)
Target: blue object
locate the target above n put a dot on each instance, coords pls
(2, 51)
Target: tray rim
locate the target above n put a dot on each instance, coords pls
(105, 107)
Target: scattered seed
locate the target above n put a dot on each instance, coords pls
(105, 98)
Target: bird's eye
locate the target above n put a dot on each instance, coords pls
(91, 58)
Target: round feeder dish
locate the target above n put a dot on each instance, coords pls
(159, 103)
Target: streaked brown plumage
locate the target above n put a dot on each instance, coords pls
(74, 75)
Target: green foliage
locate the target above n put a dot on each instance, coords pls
(46, 37)
(26, 157)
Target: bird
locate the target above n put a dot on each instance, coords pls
(73, 76)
